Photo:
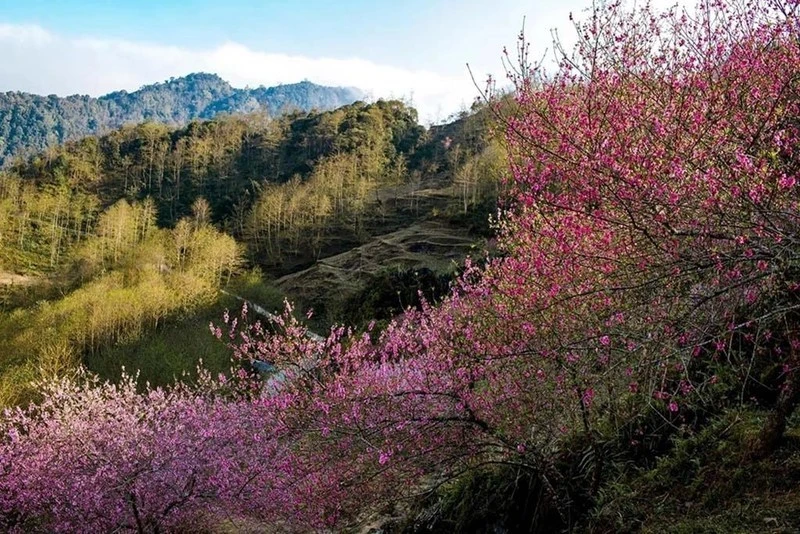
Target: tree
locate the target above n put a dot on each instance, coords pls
(201, 211)
(650, 246)
(656, 186)
(181, 458)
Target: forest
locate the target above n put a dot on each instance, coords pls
(573, 308)
(31, 123)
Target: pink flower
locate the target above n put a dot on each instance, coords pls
(787, 182)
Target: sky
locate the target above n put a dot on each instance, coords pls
(411, 49)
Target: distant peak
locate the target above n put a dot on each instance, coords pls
(177, 100)
(189, 81)
(201, 76)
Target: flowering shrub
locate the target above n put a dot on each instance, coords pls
(101, 457)
(656, 185)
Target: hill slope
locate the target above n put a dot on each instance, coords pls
(30, 123)
(306, 196)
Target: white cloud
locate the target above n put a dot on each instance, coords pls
(43, 62)
(38, 61)
(25, 35)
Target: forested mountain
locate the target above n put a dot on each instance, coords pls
(30, 123)
(228, 160)
(282, 185)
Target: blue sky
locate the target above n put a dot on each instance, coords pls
(409, 33)
(406, 48)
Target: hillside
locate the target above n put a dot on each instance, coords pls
(30, 123)
(163, 217)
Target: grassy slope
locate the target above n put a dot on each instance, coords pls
(707, 484)
(414, 230)
(163, 355)
(180, 345)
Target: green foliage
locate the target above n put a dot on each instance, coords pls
(30, 123)
(251, 286)
(340, 160)
(498, 498)
(707, 482)
(389, 293)
(704, 482)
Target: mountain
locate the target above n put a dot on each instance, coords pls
(31, 123)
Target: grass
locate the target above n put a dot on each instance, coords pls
(30, 352)
(163, 355)
(707, 484)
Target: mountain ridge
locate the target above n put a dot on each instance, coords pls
(31, 123)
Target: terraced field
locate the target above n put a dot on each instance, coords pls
(432, 244)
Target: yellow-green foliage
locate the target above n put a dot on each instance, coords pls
(339, 192)
(39, 224)
(137, 275)
(354, 151)
(480, 175)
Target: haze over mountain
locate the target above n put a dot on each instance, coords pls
(30, 123)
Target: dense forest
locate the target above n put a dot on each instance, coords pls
(30, 123)
(574, 308)
(278, 184)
